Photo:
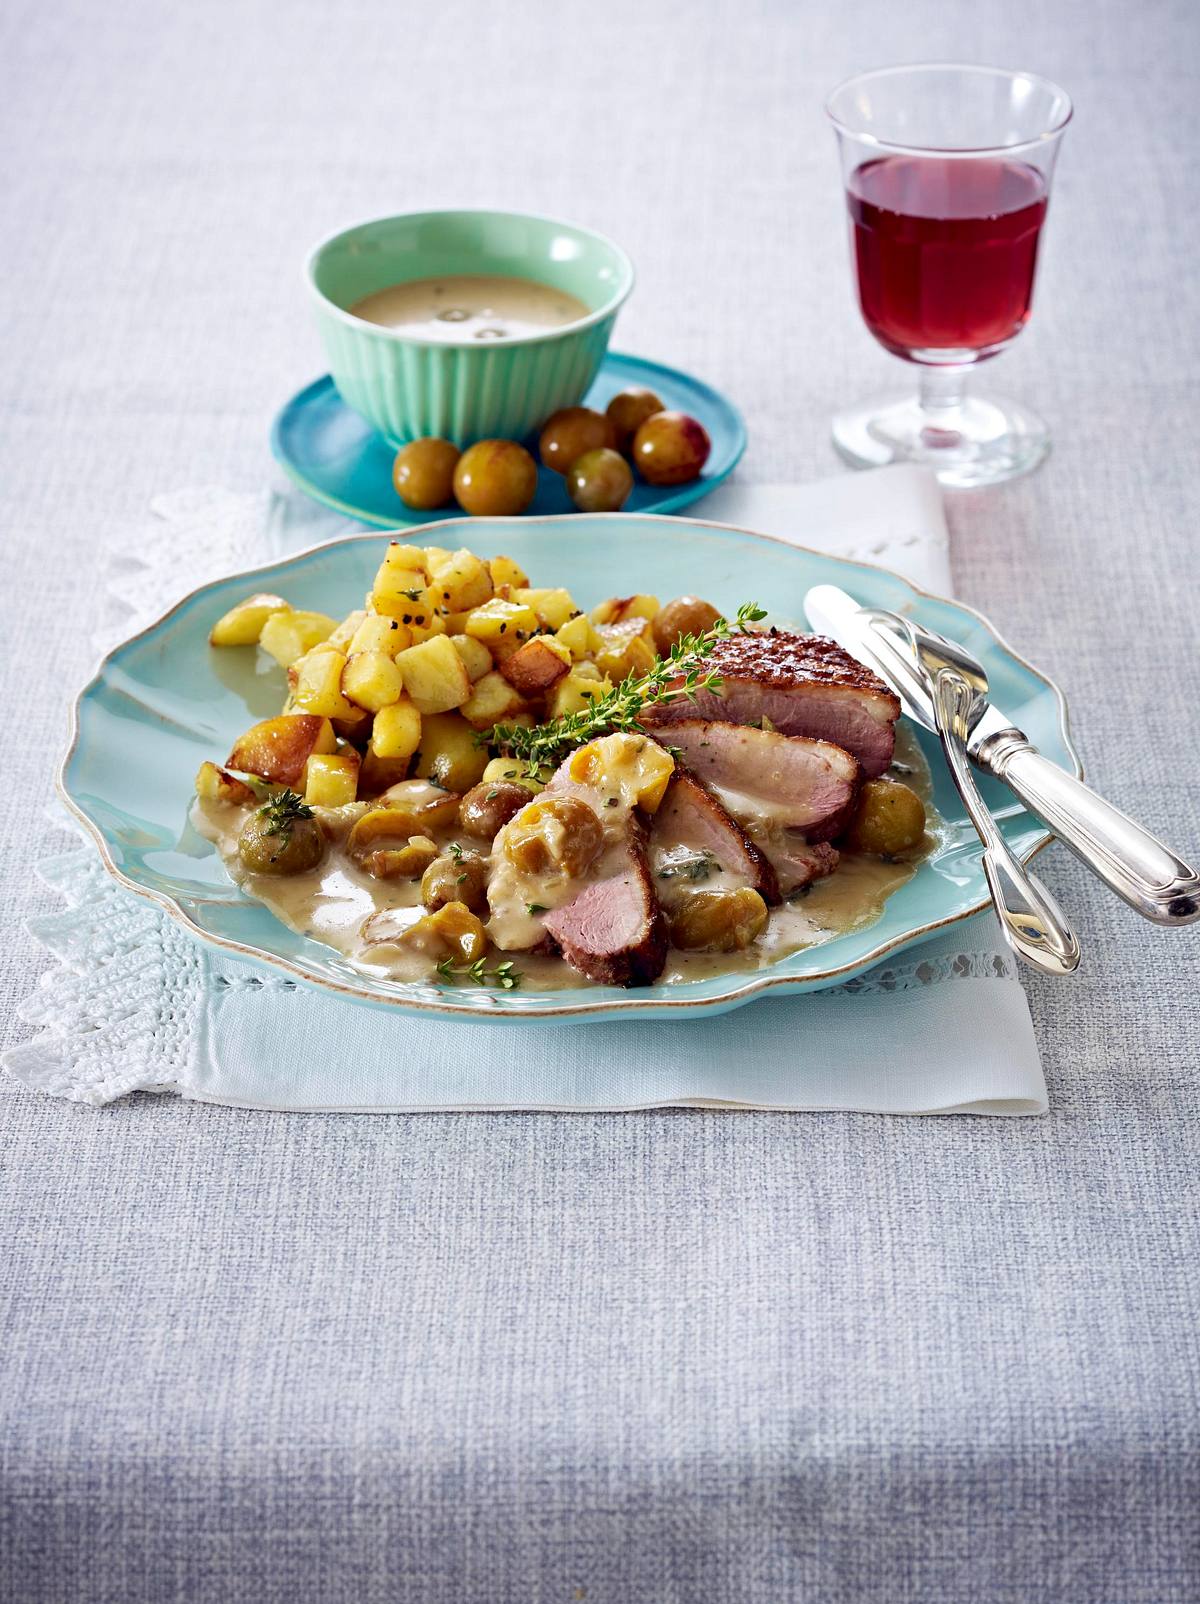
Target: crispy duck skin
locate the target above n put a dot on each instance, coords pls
(794, 782)
(803, 685)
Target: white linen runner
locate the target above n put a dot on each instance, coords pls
(134, 1003)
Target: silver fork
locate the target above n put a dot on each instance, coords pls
(1034, 926)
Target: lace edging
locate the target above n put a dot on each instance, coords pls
(912, 976)
(114, 1015)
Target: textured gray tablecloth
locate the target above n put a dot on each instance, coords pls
(657, 1357)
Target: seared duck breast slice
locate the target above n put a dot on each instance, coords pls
(802, 685)
(690, 814)
(788, 781)
(614, 931)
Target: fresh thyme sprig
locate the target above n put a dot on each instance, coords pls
(281, 813)
(503, 975)
(680, 673)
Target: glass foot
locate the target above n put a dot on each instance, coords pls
(982, 441)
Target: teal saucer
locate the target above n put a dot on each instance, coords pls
(338, 459)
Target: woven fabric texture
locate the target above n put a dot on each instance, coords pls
(669, 1357)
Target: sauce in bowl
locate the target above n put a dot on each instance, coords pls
(477, 307)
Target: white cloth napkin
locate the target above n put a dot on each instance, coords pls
(134, 1003)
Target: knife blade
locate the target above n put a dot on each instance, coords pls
(838, 615)
(1135, 864)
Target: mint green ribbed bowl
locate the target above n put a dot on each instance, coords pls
(407, 387)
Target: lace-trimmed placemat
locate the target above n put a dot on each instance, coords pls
(132, 1003)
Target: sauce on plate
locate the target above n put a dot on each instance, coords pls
(349, 910)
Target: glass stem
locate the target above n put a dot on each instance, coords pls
(942, 393)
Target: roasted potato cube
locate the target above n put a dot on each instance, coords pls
(402, 593)
(535, 667)
(618, 609)
(287, 636)
(422, 632)
(278, 748)
(627, 648)
(401, 557)
(396, 732)
(242, 625)
(580, 636)
(505, 770)
(505, 571)
(379, 633)
(345, 632)
(318, 687)
(633, 766)
(434, 675)
(460, 582)
(354, 727)
(573, 694)
(372, 680)
(477, 660)
(502, 620)
(492, 700)
(553, 607)
(379, 772)
(331, 779)
(449, 756)
(214, 785)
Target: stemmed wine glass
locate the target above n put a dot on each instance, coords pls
(947, 172)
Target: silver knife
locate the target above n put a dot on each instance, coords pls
(1134, 863)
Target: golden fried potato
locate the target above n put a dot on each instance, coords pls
(278, 748)
(533, 669)
(242, 625)
(449, 755)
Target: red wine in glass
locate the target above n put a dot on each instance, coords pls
(947, 168)
(945, 251)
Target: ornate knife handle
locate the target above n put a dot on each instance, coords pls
(1134, 863)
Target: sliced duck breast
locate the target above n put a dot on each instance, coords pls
(796, 862)
(692, 816)
(614, 931)
(787, 781)
(802, 685)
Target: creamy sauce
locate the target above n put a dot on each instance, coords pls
(361, 917)
(470, 307)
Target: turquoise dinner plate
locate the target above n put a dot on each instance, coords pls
(338, 459)
(164, 701)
